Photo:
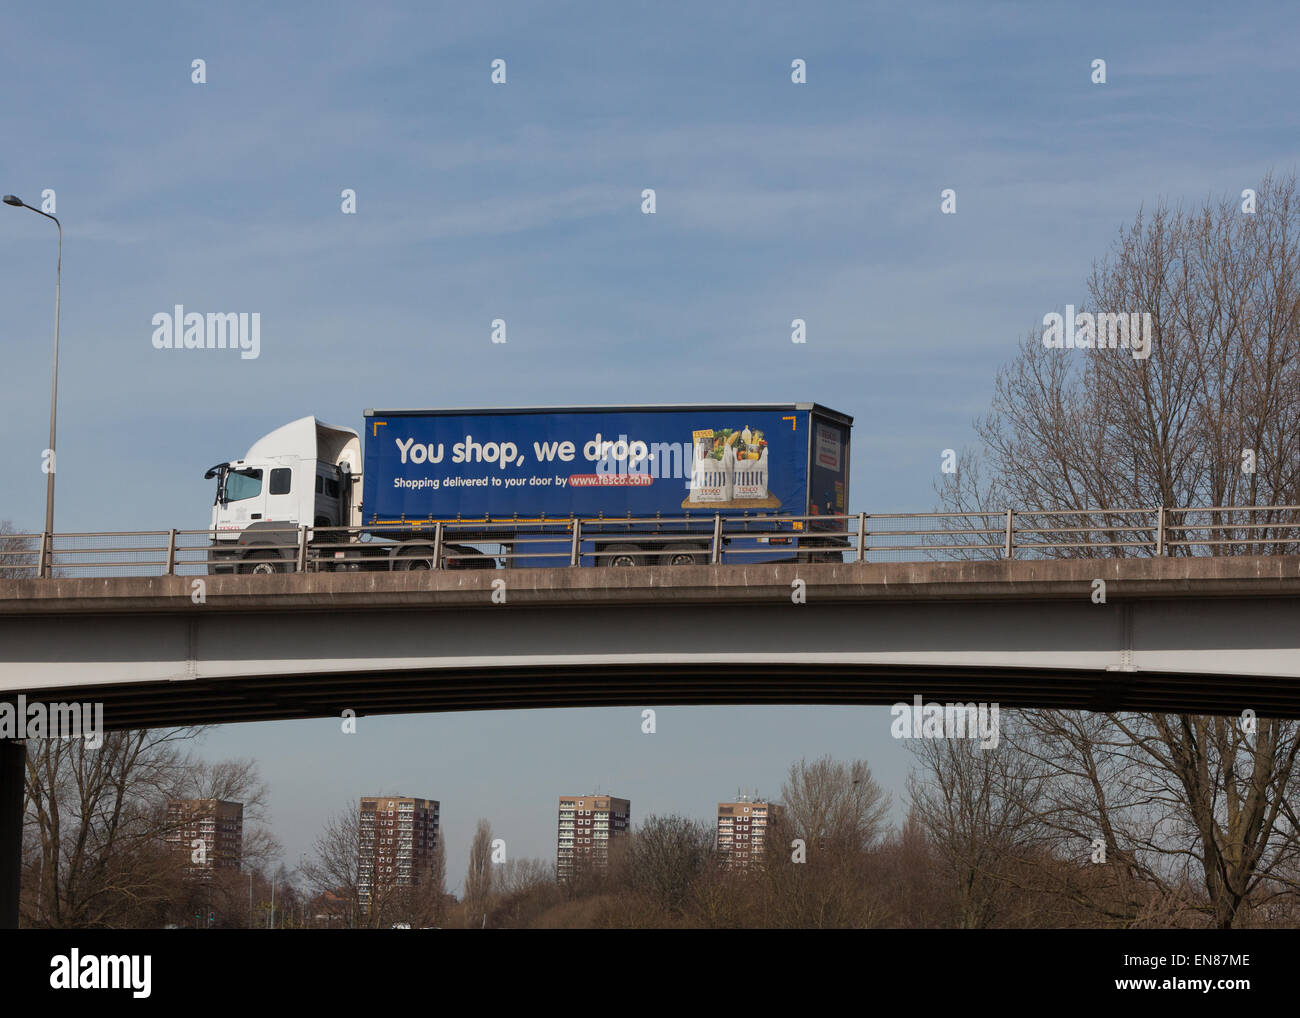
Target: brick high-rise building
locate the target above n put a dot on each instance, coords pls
(218, 824)
(588, 823)
(398, 838)
(742, 829)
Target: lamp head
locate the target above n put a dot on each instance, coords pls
(12, 199)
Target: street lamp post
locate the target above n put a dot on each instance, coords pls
(13, 199)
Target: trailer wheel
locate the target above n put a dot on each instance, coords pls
(683, 555)
(622, 555)
(261, 563)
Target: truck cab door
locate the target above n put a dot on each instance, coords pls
(282, 496)
(245, 502)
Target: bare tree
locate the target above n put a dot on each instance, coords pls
(524, 889)
(519, 875)
(1218, 395)
(911, 873)
(17, 554)
(95, 824)
(1222, 290)
(827, 882)
(1173, 800)
(831, 803)
(478, 878)
(818, 869)
(665, 859)
(436, 880)
(979, 810)
(335, 870)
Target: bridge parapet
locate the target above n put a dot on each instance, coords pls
(1006, 579)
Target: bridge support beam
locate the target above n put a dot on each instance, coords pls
(13, 774)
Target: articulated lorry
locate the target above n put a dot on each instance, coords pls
(640, 485)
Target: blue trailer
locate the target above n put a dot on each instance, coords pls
(671, 469)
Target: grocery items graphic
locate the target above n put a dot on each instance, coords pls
(730, 470)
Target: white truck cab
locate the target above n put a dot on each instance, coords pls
(306, 473)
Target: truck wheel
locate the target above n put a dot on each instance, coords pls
(622, 555)
(412, 564)
(683, 555)
(262, 563)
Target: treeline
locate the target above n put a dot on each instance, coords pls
(1067, 824)
(1074, 820)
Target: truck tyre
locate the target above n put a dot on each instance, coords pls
(622, 555)
(684, 555)
(262, 562)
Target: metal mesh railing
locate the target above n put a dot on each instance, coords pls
(696, 539)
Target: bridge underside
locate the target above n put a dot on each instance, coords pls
(1195, 636)
(217, 701)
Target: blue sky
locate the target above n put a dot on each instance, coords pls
(522, 201)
